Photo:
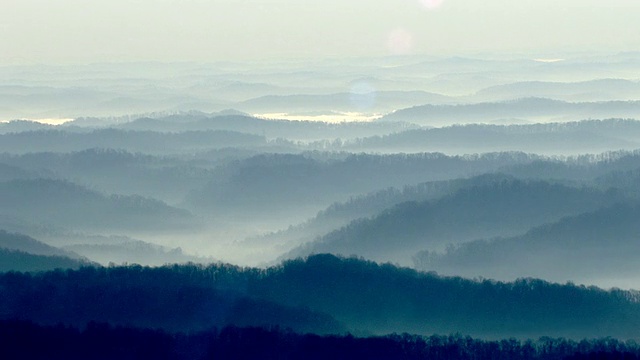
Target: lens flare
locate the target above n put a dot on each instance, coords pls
(431, 4)
(400, 42)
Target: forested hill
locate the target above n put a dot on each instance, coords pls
(134, 141)
(271, 129)
(283, 184)
(568, 138)
(498, 208)
(322, 294)
(529, 108)
(16, 260)
(599, 245)
(63, 203)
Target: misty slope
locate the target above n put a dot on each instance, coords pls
(10, 172)
(117, 342)
(319, 294)
(340, 214)
(598, 170)
(176, 298)
(66, 204)
(23, 253)
(503, 208)
(133, 141)
(556, 138)
(300, 185)
(19, 242)
(361, 99)
(523, 109)
(271, 129)
(127, 251)
(626, 181)
(117, 171)
(98, 97)
(597, 246)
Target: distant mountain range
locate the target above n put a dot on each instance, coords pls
(581, 91)
(529, 109)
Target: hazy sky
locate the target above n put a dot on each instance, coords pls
(76, 31)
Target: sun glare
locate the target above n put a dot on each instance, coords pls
(431, 4)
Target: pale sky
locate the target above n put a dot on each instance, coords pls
(81, 31)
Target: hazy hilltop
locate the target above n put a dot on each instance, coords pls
(272, 185)
(572, 138)
(19, 242)
(371, 86)
(519, 110)
(270, 128)
(582, 91)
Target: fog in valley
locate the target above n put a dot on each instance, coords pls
(325, 188)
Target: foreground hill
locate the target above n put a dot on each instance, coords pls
(506, 206)
(582, 91)
(600, 246)
(322, 294)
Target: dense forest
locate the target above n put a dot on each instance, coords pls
(323, 294)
